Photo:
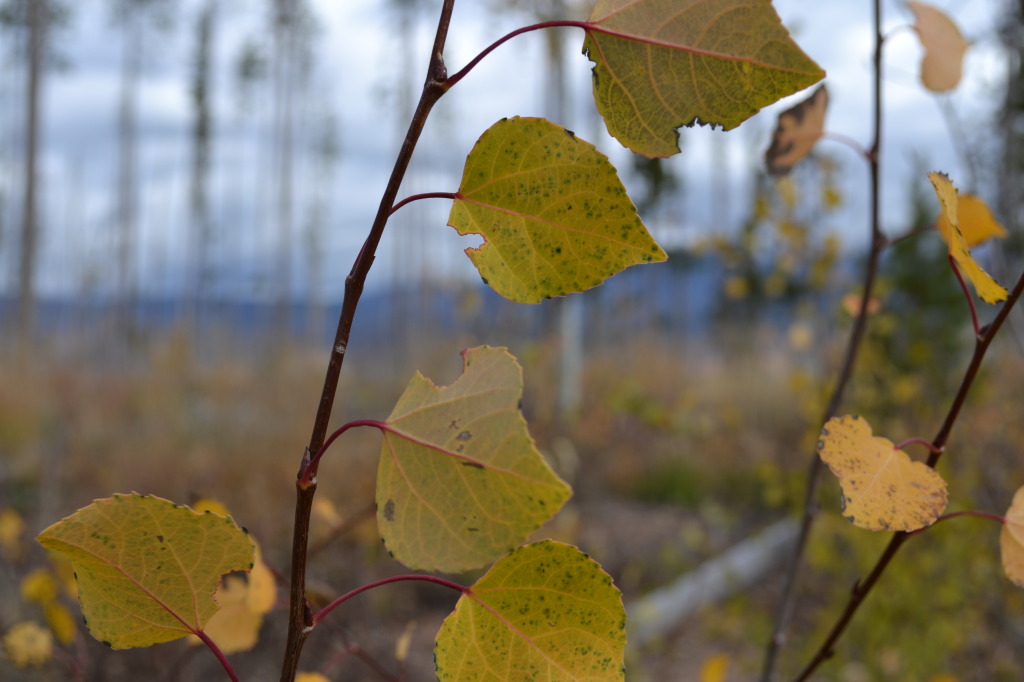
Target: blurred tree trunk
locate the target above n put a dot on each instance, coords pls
(199, 204)
(30, 218)
(127, 191)
(1011, 204)
(285, 19)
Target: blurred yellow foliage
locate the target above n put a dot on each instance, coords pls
(61, 622)
(11, 529)
(714, 668)
(39, 586)
(28, 644)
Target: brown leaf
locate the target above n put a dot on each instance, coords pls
(944, 47)
(1011, 540)
(796, 133)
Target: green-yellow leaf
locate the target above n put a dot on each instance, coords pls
(798, 130)
(944, 47)
(545, 612)
(1011, 539)
(146, 567)
(988, 289)
(977, 224)
(460, 481)
(553, 213)
(883, 489)
(662, 64)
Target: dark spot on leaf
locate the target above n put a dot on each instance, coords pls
(465, 435)
(473, 530)
(475, 465)
(160, 538)
(107, 644)
(245, 530)
(389, 510)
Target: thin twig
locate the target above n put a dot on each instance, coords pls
(787, 600)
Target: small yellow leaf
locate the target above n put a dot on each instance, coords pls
(209, 504)
(799, 128)
(977, 224)
(1011, 539)
(61, 622)
(944, 47)
(311, 677)
(988, 289)
(11, 528)
(714, 668)
(39, 586)
(404, 640)
(28, 644)
(883, 489)
(235, 627)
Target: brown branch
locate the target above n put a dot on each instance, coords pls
(787, 600)
(300, 615)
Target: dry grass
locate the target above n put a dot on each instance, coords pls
(676, 453)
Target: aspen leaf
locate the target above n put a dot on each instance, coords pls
(988, 289)
(544, 612)
(553, 213)
(460, 481)
(146, 567)
(1011, 539)
(944, 47)
(977, 224)
(662, 64)
(799, 128)
(883, 489)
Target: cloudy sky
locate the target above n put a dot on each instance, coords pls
(361, 81)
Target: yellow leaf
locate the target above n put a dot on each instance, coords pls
(235, 627)
(988, 289)
(61, 622)
(553, 213)
(460, 481)
(146, 567)
(39, 586)
(11, 528)
(545, 611)
(944, 47)
(404, 640)
(1011, 539)
(714, 669)
(208, 504)
(311, 677)
(28, 644)
(883, 489)
(662, 64)
(977, 224)
(799, 128)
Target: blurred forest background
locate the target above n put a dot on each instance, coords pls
(184, 185)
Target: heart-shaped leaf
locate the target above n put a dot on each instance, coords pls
(883, 489)
(988, 289)
(460, 481)
(553, 213)
(944, 47)
(545, 611)
(662, 64)
(147, 568)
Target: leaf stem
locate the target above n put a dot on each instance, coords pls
(455, 78)
(849, 142)
(218, 653)
(299, 612)
(787, 600)
(322, 613)
(967, 292)
(920, 441)
(306, 476)
(966, 512)
(417, 197)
